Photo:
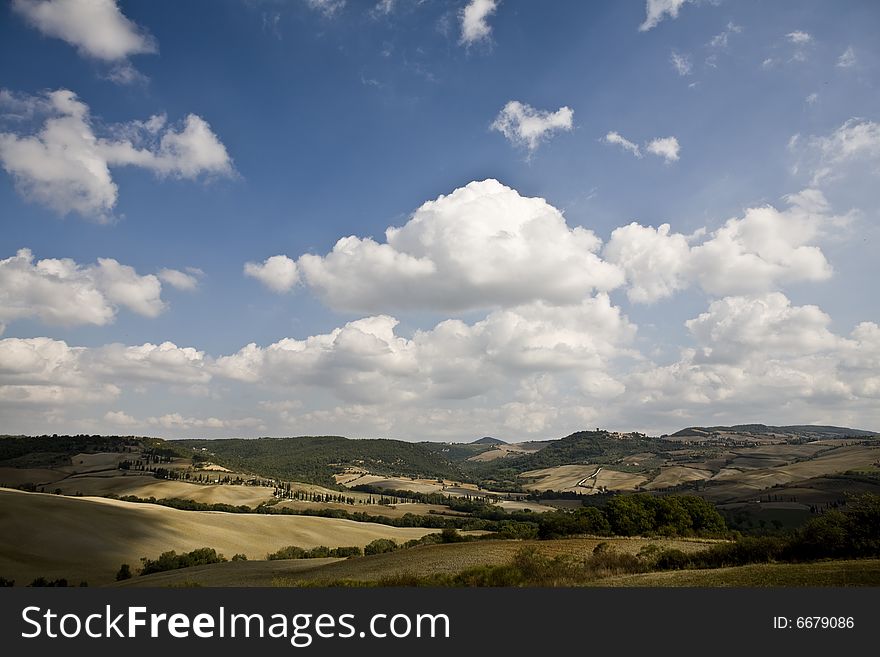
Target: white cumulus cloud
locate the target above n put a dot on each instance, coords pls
(279, 273)
(665, 147)
(523, 125)
(657, 10)
(65, 165)
(186, 281)
(63, 292)
(474, 20)
(97, 28)
(761, 250)
(482, 246)
(43, 371)
(656, 262)
(366, 361)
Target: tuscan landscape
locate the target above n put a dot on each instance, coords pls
(319, 294)
(708, 506)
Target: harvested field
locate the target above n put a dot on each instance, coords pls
(516, 505)
(590, 478)
(676, 475)
(98, 534)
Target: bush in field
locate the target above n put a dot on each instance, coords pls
(346, 552)
(450, 535)
(289, 552)
(380, 546)
(672, 559)
(239, 557)
(172, 561)
(123, 573)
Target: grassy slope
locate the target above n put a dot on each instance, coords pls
(88, 538)
(865, 572)
(455, 557)
(445, 558)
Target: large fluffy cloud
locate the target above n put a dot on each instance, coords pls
(97, 28)
(62, 292)
(523, 125)
(482, 246)
(527, 370)
(760, 355)
(656, 262)
(761, 250)
(735, 328)
(65, 165)
(47, 372)
(365, 361)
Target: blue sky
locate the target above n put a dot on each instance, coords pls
(157, 155)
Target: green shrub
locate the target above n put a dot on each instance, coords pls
(172, 561)
(380, 546)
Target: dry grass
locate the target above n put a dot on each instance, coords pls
(676, 474)
(740, 483)
(233, 573)
(455, 557)
(386, 510)
(516, 505)
(827, 573)
(88, 538)
(148, 486)
(566, 478)
(500, 452)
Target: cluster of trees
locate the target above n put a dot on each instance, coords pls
(852, 533)
(172, 561)
(397, 496)
(284, 492)
(383, 545)
(43, 582)
(320, 552)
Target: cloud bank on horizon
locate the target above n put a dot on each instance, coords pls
(314, 254)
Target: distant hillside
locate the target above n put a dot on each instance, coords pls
(586, 447)
(488, 440)
(315, 459)
(35, 451)
(802, 431)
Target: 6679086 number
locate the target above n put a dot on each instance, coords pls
(814, 623)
